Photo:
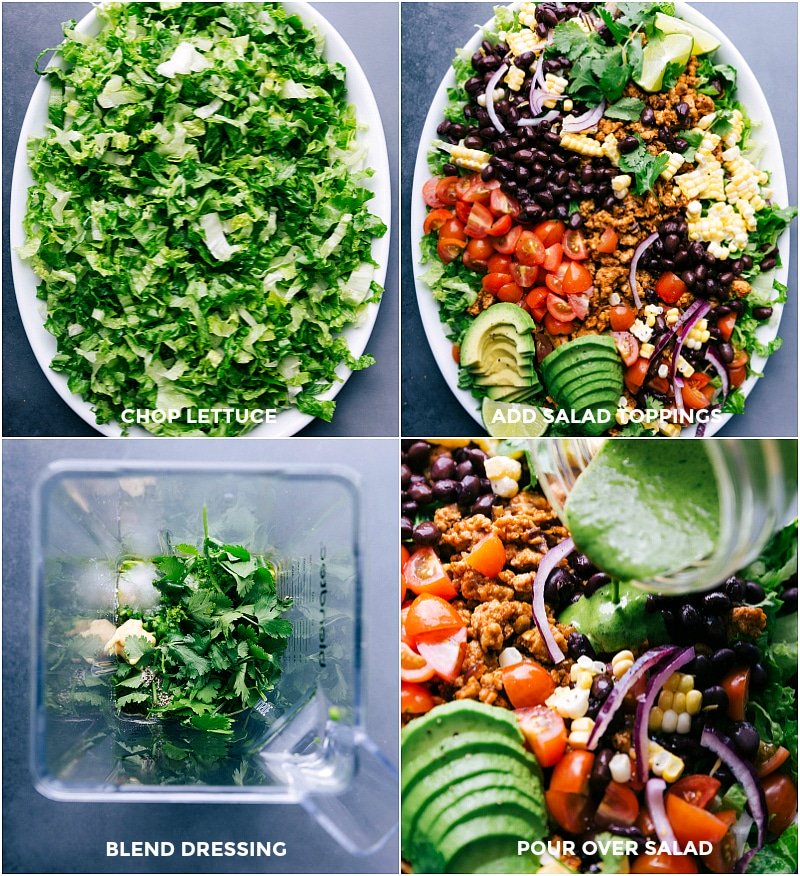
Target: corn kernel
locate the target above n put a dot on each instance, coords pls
(620, 768)
(647, 350)
(502, 466)
(614, 299)
(620, 668)
(584, 679)
(679, 702)
(684, 724)
(694, 701)
(686, 684)
(622, 655)
(671, 430)
(655, 718)
(582, 145)
(663, 371)
(669, 721)
(580, 731)
(665, 700)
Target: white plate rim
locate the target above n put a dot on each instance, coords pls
(43, 344)
(752, 97)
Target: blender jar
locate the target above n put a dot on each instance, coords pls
(756, 481)
(305, 742)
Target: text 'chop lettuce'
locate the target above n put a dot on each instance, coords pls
(198, 216)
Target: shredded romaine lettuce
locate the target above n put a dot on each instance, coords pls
(195, 152)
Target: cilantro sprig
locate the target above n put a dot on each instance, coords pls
(219, 636)
(646, 168)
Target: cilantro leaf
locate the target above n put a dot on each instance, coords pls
(672, 73)
(646, 168)
(625, 109)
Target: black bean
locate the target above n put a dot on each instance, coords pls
(409, 508)
(418, 455)
(473, 142)
(575, 220)
(690, 620)
(561, 212)
(723, 661)
(483, 505)
(660, 325)
(487, 173)
(747, 262)
(758, 677)
(598, 580)
(682, 111)
(525, 60)
(463, 469)
(768, 263)
(725, 351)
(745, 738)
(406, 528)
(579, 646)
(422, 494)
(746, 652)
(680, 145)
(714, 630)
(583, 566)
(601, 686)
(697, 250)
(442, 467)
(474, 85)
(736, 305)
(601, 774)
(715, 696)
(426, 534)
(648, 117)
(703, 671)
(716, 603)
(405, 475)
(754, 593)
(477, 457)
(486, 485)
(688, 277)
(671, 243)
(549, 16)
(726, 278)
(789, 597)
(470, 489)
(541, 30)
(735, 588)
(446, 490)
(546, 199)
(701, 273)
(761, 313)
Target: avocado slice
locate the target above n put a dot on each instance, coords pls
(581, 359)
(493, 856)
(487, 768)
(474, 833)
(597, 427)
(584, 343)
(503, 318)
(583, 375)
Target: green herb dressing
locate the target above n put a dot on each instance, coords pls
(637, 514)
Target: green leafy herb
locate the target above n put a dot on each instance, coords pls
(672, 73)
(219, 636)
(626, 109)
(734, 403)
(646, 168)
(777, 857)
(203, 237)
(734, 798)
(452, 286)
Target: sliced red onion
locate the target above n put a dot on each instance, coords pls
(668, 336)
(551, 559)
(538, 97)
(686, 328)
(701, 426)
(489, 93)
(677, 389)
(655, 805)
(573, 124)
(713, 357)
(635, 263)
(549, 117)
(744, 773)
(645, 703)
(740, 831)
(614, 700)
(538, 74)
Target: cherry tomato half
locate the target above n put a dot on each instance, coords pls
(781, 795)
(527, 684)
(429, 613)
(549, 232)
(423, 573)
(494, 282)
(435, 219)
(555, 327)
(574, 245)
(449, 249)
(699, 790)
(608, 240)
(415, 699)
(691, 824)
(511, 292)
(446, 190)
(453, 229)
(725, 326)
(627, 347)
(570, 811)
(479, 222)
(572, 773)
(663, 863)
(559, 308)
(545, 733)
(736, 685)
(619, 806)
(444, 651)
(622, 317)
(524, 275)
(670, 287)
(477, 254)
(576, 279)
(553, 256)
(429, 194)
(488, 556)
(414, 667)
(529, 249)
(508, 242)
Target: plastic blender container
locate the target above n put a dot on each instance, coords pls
(305, 742)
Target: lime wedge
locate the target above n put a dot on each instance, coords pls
(510, 420)
(704, 42)
(673, 48)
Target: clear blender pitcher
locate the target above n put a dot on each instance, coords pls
(756, 482)
(305, 742)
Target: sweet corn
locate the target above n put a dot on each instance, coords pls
(663, 763)
(580, 731)
(679, 701)
(611, 149)
(665, 700)
(641, 331)
(694, 701)
(686, 681)
(506, 488)
(569, 702)
(620, 768)
(669, 721)
(674, 164)
(672, 682)
(582, 145)
(614, 299)
(655, 719)
(469, 159)
(514, 78)
(684, 724)
(527, 14)
(524, 41)
(554, 84)
(684, 367)
(621, 663)
(672, 316)
(501, 466)
(583, 679)
(647, 350)
(663, 371)
(671, 430)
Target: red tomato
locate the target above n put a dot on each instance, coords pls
(660, 384)
(488, 556)
(579, 305)
(723, 856)
(453, 229)
(736, 685)
(698, 790)
(740, 359)
(608, 240)
(545, 733)
(635, 375)
(499, 263)
(444, 651)
(477, 254)
(404, 555)
(524, 275)
(572, 773)
(619, 806)
(494, 282)
(699, 380)
(691, 824)
(737, 376)
(413, 667)
(508, 242)
(527, 684)
(663, 863)
(576, 279)
(645, 823)
(725, 326)
(455, 352)
(670, 287)
(622, 317)
(559, 308)
(777, 759)
(539, 314)
(781, 797)
(570, 811)
(511, 292)
(463, 210)
(501, 203)
(464, 184)
(693, 398)
(449, 249)
(415, 699)
(403, 633)
(423, 573)
(480, 221)
(554, 327)
(430, 614)
(479, 191)
(553, 281)
(537, 297)
(446, 190)
(529, 249)
(627, 347)
(429, 194)
(574, 245)
(549, 232)
(553, 256)
(501, 226)
(435, 219)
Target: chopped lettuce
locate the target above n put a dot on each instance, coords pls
(198, 215)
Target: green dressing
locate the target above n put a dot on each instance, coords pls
(638, 514)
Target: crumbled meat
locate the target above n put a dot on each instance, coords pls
(740, 288)
(464, 534)
(622, 741)
(494, 622)
(747, 620)
(472, 585)
(446, 517)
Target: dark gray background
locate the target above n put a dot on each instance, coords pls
(765, 34)
(41, 836)
(368, 404)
